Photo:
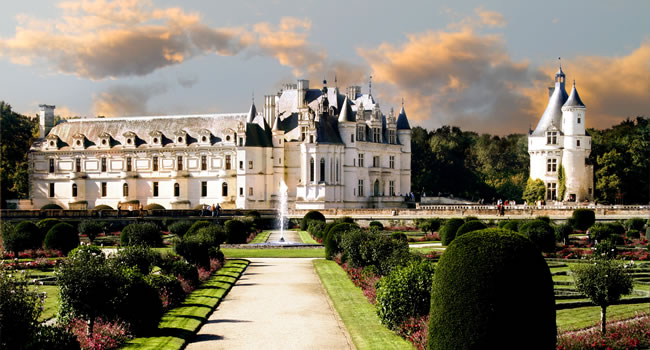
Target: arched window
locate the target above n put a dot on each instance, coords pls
(311, 169)
(177, 190)
(74, 190)
(224, 189)
(322, 169)
(125, 190)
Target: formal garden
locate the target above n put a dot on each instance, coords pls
(511, 283)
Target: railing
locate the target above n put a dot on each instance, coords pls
(111, 213)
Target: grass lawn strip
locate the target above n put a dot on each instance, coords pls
(307, 238)
(261, 237)
(233, 253)
(179, 325)
(357, 313)
(585, 317)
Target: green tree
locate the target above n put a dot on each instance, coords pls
(604, 282)
(561, 179)
(534, 191)
(16, 137)
(608, 181)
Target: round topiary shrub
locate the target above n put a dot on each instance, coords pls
(51, 206)
(216, 233)
(582, 219)
(470, 226)
(540, 233)
(21, 237)
(154, 206)
(102, 207)
(482, 283)
(45, 225)
(405, 293)
(448, 231)
(140, 257)
(316, 228)
(146, 233)
(236, 232)
(333, 238)
(470, 218)
(196, 226)
(62, 237)
(311, 215)
(376, 225)
(546, 219)
(399, 236)
(562, 233)
(512, 225)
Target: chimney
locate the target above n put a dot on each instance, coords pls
(353, 92)
(46, 120)
(269, 109)
(303, 86)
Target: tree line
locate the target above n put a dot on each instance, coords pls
(447, 160)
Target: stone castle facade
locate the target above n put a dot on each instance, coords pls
(331, 149)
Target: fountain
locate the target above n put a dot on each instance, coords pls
(283, 208)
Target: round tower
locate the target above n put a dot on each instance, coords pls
(578, 176)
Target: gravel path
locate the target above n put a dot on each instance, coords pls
(276, 304)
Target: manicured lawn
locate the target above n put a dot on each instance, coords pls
(261, 237)
(307, 238)
(274, 253)
(425, 250)
(179, 325)
(583, 317)
(51, 303)
(425, 242)
(357, 313)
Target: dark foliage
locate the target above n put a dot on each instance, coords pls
(179, 228)
(236, 232)
(448, 231)
(470, 226)
(540, 233)
(91, 228)
(63, 237)
(311, 215)
(147, 234)
(582, 219)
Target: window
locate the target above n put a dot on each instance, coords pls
(51, 189)
(228, 162)
(77, 165)
(360, 190)
(337, 171)
(241, 191)
(104, 189)
(303, 133)
(375, 162)
(224, 189)
(577, 143)
(322, 170)
(361, 130)
(578, 120)
(551, 191)
(351, 138)
(177, 190)
(241, 164)
(311, 169)
(250, 164)
(311, 138)
(128, 164)
(376, 134)
(125, 190)
(361, 160)
(391, 162)
(241, 141)
(204, 188)
(551, 165)
(250, 191)
(74, 190)
(391, 137)
(204, 162)
(179, 162)
(551, 138)
(155, 163)
(391, 188)
(103, 165)
(51, 165)
(155, 189)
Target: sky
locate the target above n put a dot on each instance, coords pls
(483, 66)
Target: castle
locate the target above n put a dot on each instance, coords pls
(331, 149)
(559, 146)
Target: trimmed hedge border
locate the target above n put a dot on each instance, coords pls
(193, 312)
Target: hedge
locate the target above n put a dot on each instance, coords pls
(582, 219)
(470, 226)
(21, 237)
(333, 238)
(540, 233)
(63, 237)
(448, 231)
(147, 234)
(311, 215)
(51, 206)
(483, 285)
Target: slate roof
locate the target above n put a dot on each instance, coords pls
(402, 120)
(574, 99)
(553, 113)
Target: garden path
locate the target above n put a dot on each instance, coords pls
(276, 304)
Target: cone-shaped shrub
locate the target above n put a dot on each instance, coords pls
(448, 232)
(489, 281)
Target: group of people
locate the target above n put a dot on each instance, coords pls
(215, 210)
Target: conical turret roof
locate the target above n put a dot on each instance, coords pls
(251, 113)
(553, 113)
(346, 114)
(402, 120)
(574, 98)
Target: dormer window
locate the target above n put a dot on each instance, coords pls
(391, 137)
(551, 137)
(156, 138)
(78, 141)
(52, 142)
(361, 131)
(181, 138)
(205, 136)
(105, 140)
(129, 139)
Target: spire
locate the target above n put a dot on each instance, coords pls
(402, 120)
(346, 112)
(251, 113)
(574, 98)
(276, 123)
(370, 86)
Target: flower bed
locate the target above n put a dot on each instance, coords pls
(628, 334)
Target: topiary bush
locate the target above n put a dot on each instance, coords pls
(196, 226)
(482, 283)
(470, 218)
(236, 232)
(546, 219)
(216, 233)
(316, 228)
(140, 257)
(45, 225)
(138, 303)
(405, 293)
(91, 228)
(562, 233)
(540, 233)
(429, 225)
(376, 225)
(470, 226)
(169, 289)
(147, 234)
(51, 206)
(63, 237)
(399, 236)
(154, 206)
(179, 228)
(448, 231)
(311, 215)
(512, 225)
(600, 231)
(333, 239)
(635, 224)
(582, 219)
(21, 237)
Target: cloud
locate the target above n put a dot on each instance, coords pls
(491, 18)
(187, 81)
(121, 99)
(456, 77)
